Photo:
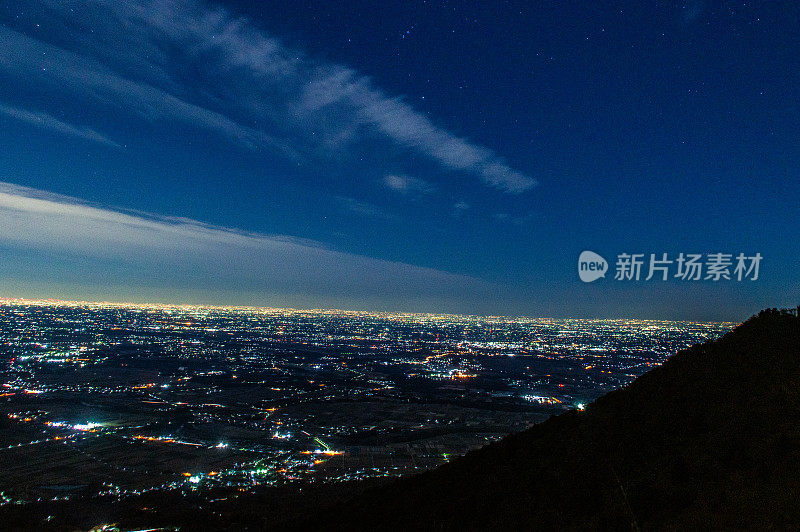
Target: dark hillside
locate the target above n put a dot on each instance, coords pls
(709, 439)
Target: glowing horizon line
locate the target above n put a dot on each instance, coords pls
(23, 301)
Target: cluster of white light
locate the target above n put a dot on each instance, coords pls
(86, 426)
(89, 425)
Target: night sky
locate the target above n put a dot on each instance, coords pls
(416, 156)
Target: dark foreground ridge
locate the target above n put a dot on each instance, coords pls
(710, 439)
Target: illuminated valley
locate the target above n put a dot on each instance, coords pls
(116, 400)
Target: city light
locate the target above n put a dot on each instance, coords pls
(317, 395)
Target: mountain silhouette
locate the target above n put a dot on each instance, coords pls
(710, 439)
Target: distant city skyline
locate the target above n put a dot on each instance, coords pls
(188, 307)
(418, 157)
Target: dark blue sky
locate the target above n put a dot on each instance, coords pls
(427, 156)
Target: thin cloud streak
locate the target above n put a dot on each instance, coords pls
(364, 208)
(90, 80)
(116, 248)
(51, 123)
(406, 184)
(399, 121)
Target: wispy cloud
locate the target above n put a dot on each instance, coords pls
(93, 82)
(245, 84)
(332, 86)
(363, 208)
(50, 232)
(50, 123)
(406, 184)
